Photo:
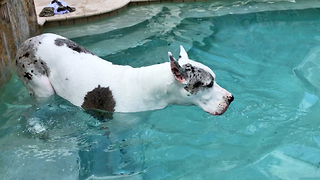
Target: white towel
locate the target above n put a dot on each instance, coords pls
(55, 5)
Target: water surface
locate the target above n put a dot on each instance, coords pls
(266, 53)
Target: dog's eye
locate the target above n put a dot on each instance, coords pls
(210, 84)
(197, 84)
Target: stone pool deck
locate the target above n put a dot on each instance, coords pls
(91, 10)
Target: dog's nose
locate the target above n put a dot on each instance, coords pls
(230, 99)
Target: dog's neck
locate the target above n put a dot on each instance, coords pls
(155, 86)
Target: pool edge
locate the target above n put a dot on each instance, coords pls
(71, 19)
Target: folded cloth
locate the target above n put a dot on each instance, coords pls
(56, 7)
(47, 12)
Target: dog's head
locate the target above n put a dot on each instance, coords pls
(198, 85)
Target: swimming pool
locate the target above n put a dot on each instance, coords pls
(266, 53)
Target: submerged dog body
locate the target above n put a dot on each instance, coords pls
(50, 64)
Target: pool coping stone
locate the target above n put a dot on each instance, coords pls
(87, 11)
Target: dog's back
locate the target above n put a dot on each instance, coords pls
(49, 64)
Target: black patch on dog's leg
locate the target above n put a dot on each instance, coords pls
(99, 98)
(72, 45)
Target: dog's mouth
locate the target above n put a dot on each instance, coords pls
(218, 113)
(220, 108)
(222, 112)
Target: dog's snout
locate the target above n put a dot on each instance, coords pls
(230, 99)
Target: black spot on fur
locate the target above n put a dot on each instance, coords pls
(72, 45)
(28, 75)
(99, 98)
(43, 68)
(197, 78)
(26, 54)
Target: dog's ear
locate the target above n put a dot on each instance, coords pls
(178, 72)
(183, 53)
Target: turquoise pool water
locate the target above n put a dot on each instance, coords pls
(266, 53)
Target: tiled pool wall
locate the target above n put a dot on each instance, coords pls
(19, 22)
